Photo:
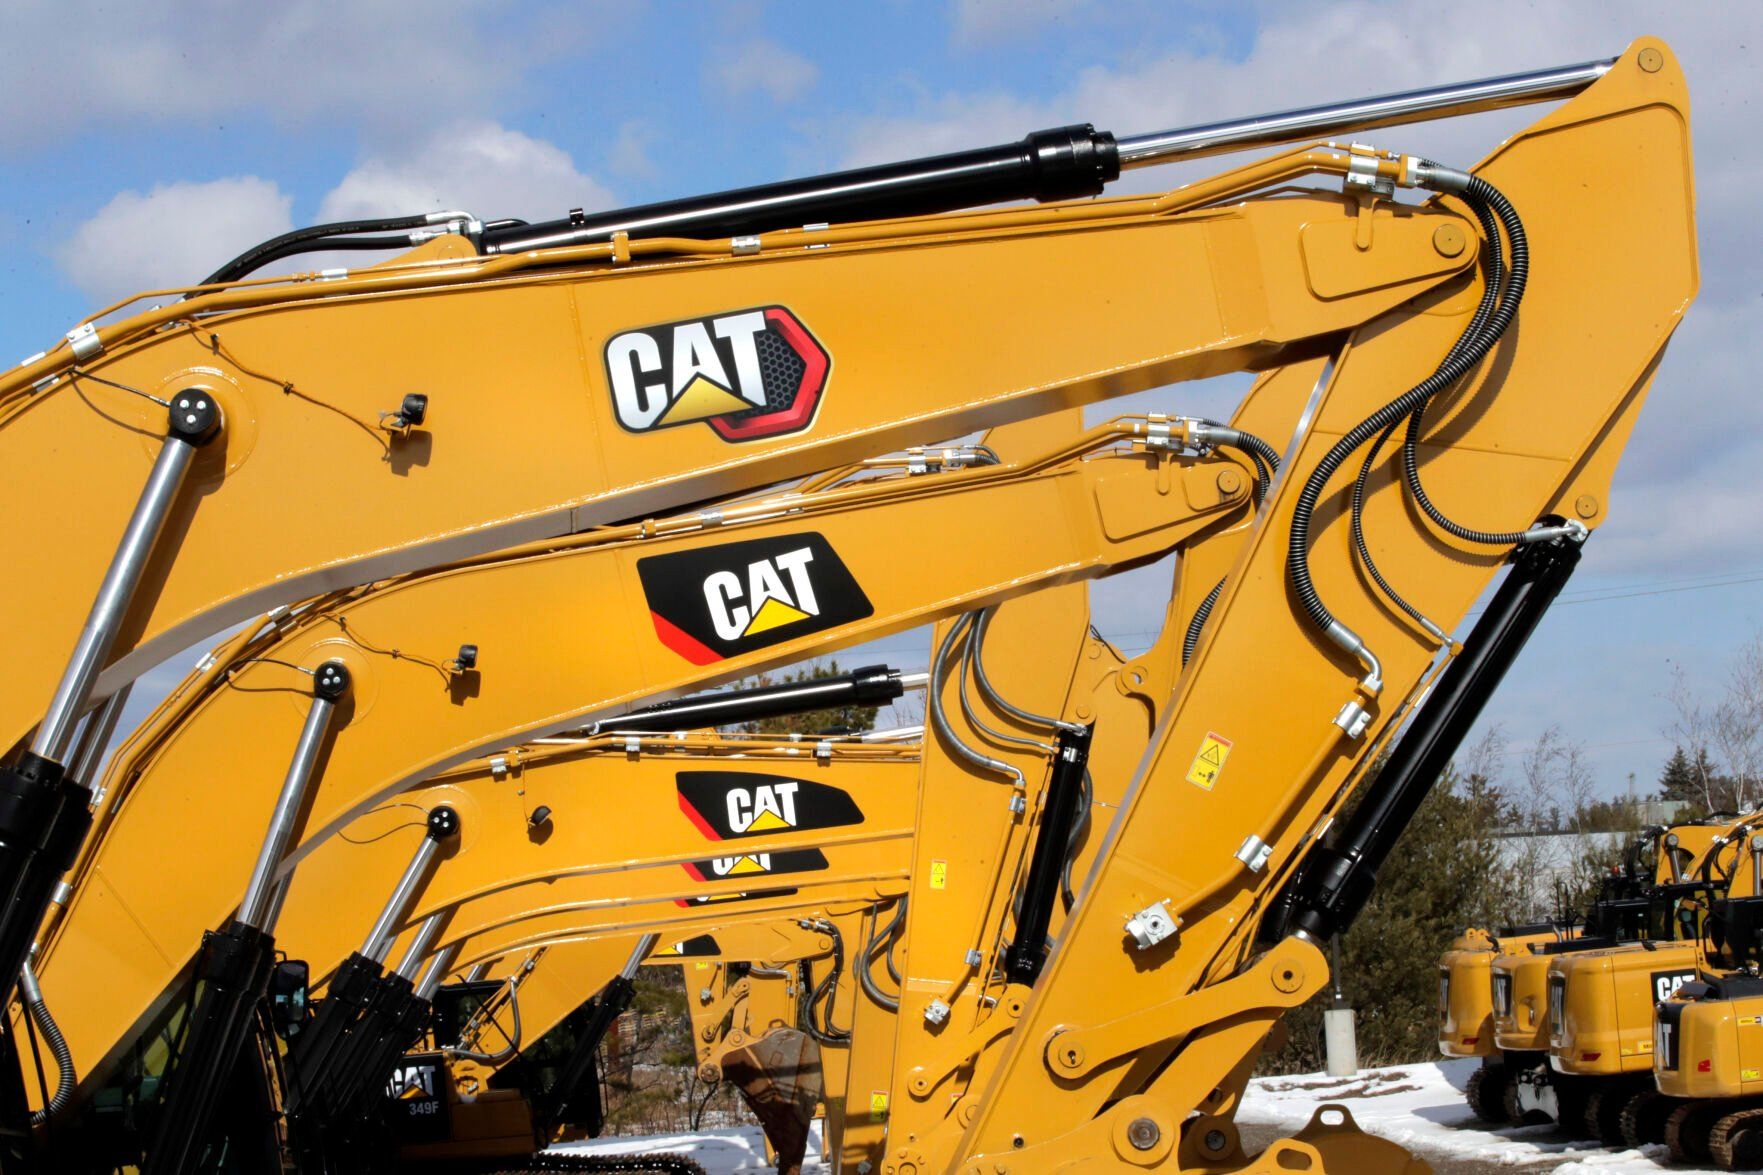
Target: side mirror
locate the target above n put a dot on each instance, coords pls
(287, 997)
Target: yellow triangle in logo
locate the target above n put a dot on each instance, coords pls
(774, 613)
(767, 821)
(664, 952)
(746, 865)
(702, 398)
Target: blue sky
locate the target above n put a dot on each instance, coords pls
(162, 138)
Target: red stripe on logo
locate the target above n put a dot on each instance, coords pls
(683, 642)
(698, 820)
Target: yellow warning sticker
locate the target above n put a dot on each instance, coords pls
(1209, 762)
(1748, 1021)
(939, 874)
(700, 965)
(878, 1103)
(1747, 1074)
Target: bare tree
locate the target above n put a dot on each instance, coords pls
(1738, 722)
(1692, 728)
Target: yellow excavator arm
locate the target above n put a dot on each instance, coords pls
(1420, 433)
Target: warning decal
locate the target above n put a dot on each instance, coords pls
(1209, 762)
(939, 874)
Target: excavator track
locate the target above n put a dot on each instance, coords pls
(1688, 1131)
(1736, 1142)
(1604, 1110)
(662, 1163)
(1644, 1115)
(1486, 1093)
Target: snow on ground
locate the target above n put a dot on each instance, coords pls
(1419, 1106)
(719, 1152)
(1422, 1108)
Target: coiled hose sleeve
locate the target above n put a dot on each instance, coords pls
(67, 1078)
(1500, 207)
(1197, 625)
(1471, 348)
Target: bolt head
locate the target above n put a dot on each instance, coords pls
(1650, 60)
(1449, 241)
(1215, 1140)
(1143, 1134)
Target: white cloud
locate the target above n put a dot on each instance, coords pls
(482, 167)
(175, 234)
(387, 64)
(764, 67)
(1682, 484)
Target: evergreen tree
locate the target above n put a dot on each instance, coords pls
(834, 719)
(1679, 780)
(1446, 874)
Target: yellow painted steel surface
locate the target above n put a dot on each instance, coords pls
(1079, 1068)
(1111, 1045)
(521, 441)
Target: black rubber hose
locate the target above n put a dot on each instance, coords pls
(1080, 831)
(262, 254)
(1197, 625)
(825, 990)
(63, 1062)
(1494, 267)
(1471, 348)
(865, 977)
(1498, 206)
(1266, 462)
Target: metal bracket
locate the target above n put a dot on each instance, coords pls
(84, 342)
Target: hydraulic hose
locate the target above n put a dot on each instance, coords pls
(823, 1031)
(33, 998)
(865, 977)
(977, 655)
(318, 236)
(1197, 625)
(1266, 463)
(939, 721)
(968, 658)
(1472, 346)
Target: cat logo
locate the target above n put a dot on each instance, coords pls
(716, 602)
(1666, 983)
(750, 864)
(729, 804)
(748, 374)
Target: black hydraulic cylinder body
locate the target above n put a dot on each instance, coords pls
(1065, 163)
(1337, 880)
(1028, 949)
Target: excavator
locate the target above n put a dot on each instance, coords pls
(1703, 1052)
(1067, 669)
(1520, 1082)
(1466, 1006)
(711, 366)
(1601, 1000)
